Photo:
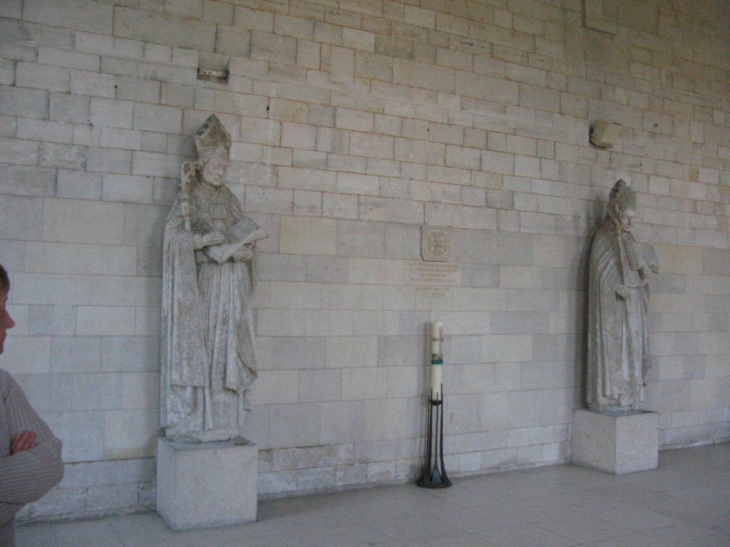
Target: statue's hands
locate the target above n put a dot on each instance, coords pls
(622, 291)
(213, 238)
(243, 254)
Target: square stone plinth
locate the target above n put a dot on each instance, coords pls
(616, 443)
(207, 484)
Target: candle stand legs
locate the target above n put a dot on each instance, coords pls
(433, 474)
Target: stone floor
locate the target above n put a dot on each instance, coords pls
(683, 503)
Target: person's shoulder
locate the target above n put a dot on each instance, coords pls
(6, 383)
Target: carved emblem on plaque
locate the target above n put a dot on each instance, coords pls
(435, 244)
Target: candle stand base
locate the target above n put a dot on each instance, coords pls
(433, 474)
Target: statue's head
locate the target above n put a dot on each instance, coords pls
(213, 142)
(212, 139)
(621, 203)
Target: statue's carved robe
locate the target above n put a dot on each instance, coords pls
(618, 341)
(208, 353)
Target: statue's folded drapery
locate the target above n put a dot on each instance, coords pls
(618, 335)
(618, 344)
(208, 353)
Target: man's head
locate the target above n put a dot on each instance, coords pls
(4, 279)
(6, 322)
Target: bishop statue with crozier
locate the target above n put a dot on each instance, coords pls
(207, 339)
(619, 354)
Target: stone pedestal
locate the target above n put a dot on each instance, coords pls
(616, 443)
(207, 484)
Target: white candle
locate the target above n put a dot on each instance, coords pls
(436, 336)
(436, 371)
(436, 359)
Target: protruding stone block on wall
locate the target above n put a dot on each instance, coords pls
(602, 15)
(202, 485)
(615, 443)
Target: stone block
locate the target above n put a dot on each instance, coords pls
(82, 434)
(121, 138)
(270, 47)
(69, 59)
(391, 210)
(307, 203)
(357, 120)
(498, 162)
(51, 320)
(342, 65)
(127, 188)
(423, 75)
(165, 119)
(62, 156)
(298, 136)
(41, 130)
(338, 206)
(49, 78)
(105, 321)
(130, 433)
(294, 425)
(308, 236)
(297, 352)
(116, 351)
(486, 87)
(253, 19)
(342, 422)
(615, 443)
(75, 354)
(207, 484)
(161, 28)
(276, 387)
(102, 474)
(358, 39)
(371, 323)
(140, 390)
(109, 113)
(178, 95)
(72, 14)
(270, 200)
(24, 180)
(320, 385)
(351, 183)
(48, 392)
(359, 384)
(378, 146)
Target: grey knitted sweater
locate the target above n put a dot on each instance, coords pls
(27, 475)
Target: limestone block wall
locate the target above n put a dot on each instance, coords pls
(356, 123)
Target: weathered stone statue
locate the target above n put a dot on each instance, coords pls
(208, 354)
(618, 338)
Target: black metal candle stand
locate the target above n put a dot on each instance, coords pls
(433, 474)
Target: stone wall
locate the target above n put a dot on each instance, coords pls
(356, 123)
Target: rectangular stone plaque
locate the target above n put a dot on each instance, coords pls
(433, 274)
(435, 244)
